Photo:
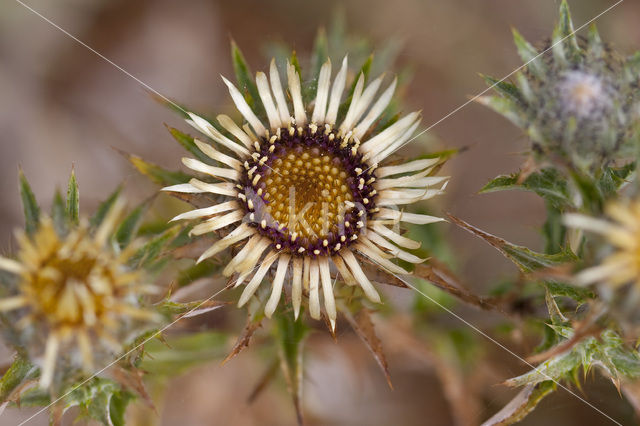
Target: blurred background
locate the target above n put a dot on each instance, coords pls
(61, 106)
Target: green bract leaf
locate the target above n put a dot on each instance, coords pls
(245, 79)
(101, 400)
(579, 294)
(506, 107)
(148, 253)
(29, 204)
(613, 178)
(608, 352)
(526, 260)
(505, 88)
(186, 141)
(291, 335)
(104, 208)
(529, 55)
(547, 183)
(73, 199)
(59, 214)
(129, 226)
(20, 371)
(156, 173)
(567, 33)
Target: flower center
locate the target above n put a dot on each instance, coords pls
(63, 294)
(308, 190)
(584, 94)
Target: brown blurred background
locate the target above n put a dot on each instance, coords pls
(63, 106)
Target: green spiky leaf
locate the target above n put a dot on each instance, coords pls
(245, 79)
(156, 173)
(29, 204)
(525, 259)
(529, 55)
(291, 335)
(20, 371)
(100, 399)
(547, 183)
(596, 46)
(505, 88)
(506, 107)
(129, 226)
(104, 208)
(73, 199)
(186, 141)
(149, 252)
(59, 214)
(567, 33)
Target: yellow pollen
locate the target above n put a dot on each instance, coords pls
(308, 192)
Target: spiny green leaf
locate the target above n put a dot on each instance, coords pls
(553, 229)
(547, 183)
(172, 105)
(596, 47)
(612, 178)
(557, 368)
(95, 400)
(73, 199)
(129, 226)
(104, 208)
(18, 373)
(291, 335)
(567, 33)
(118, 407)
(35, 397)
(156, 173)
(29, 204)
(579, 294)
(59, 214)
(296, 63)
(525, 259)
(148, 253)
(506, 107)
(505, 88)
(529, 55)
(592, 197)
(245, 79)
(186, 141)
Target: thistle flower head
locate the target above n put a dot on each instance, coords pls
(622, 232)
(74, 292)
(308, 186)
(576, 98)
